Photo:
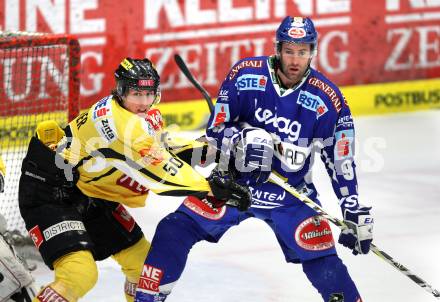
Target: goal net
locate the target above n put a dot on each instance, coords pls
(39, 80)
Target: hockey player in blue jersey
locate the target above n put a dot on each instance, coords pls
(279, 101)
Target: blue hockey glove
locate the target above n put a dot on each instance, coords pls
(253, 152)
(359, 234)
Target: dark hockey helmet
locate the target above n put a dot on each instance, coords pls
(138, 74)
(297, 30)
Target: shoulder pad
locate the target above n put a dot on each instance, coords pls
(49, 132)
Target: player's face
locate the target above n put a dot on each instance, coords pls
(139, 101)
(294, 58)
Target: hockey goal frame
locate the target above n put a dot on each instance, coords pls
(14, 40)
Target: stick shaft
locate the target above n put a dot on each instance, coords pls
(190, 77)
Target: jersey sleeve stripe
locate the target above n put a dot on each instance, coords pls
(109, 153)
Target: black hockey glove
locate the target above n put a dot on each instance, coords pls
(231, 193)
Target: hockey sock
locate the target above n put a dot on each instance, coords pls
(75, 275)
(174, 237)
(131, 260)
(330, 277)
(55, 291)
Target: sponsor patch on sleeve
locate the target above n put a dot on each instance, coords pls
(103, 119)
(102, 108)
(221, 114)
(329, 91)
(344, 144)
(247, 63)
(345, 121)
(107, 129)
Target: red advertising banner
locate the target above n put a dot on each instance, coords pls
(360, 42)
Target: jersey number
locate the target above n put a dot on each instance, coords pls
(173, 166)
(81, 120)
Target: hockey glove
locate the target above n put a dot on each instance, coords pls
(359, 234)
(227, 191)
(253, 152)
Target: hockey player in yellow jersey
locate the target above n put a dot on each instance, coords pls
(75, 182)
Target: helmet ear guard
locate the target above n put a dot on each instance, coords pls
(121, 88)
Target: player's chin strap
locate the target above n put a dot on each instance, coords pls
(341, 225)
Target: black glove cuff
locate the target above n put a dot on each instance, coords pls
(220, 187)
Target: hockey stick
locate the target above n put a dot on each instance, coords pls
(342, 226)
(310, 203)
(190, 77)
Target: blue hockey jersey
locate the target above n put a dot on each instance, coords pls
(312, 116)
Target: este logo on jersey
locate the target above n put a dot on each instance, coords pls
(312, 102)
(101, 109)
(251, 82)
(104, 123)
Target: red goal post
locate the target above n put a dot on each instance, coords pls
(39, 80)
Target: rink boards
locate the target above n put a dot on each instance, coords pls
(373, 99)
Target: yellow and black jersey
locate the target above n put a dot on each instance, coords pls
(119, 157)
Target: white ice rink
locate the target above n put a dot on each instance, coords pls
(398, 160)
